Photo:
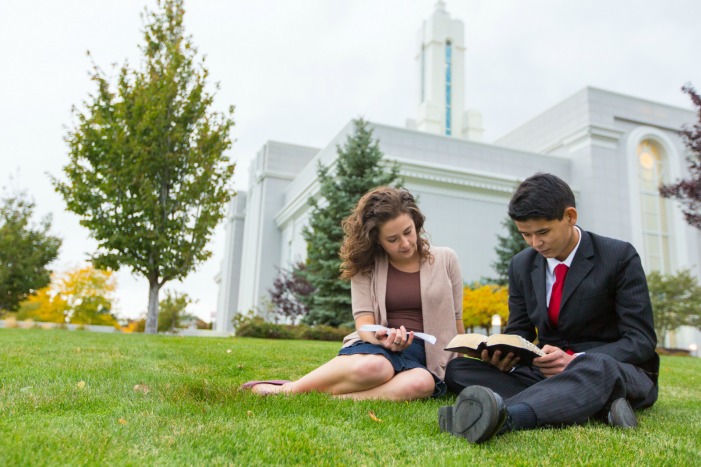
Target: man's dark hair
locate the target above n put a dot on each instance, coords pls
(541, 196)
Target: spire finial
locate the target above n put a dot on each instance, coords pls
(440, 6)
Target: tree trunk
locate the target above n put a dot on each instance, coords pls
(152, 316)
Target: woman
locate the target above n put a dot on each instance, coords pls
(399, 283)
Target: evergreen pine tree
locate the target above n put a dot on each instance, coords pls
(358, 169)
(507, 247)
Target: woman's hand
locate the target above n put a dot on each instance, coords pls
(395, 340)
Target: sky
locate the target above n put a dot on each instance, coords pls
(298, 71)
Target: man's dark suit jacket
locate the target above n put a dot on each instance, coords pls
(605, 303)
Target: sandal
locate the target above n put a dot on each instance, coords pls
(275, 382)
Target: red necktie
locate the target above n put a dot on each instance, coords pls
(556, 295)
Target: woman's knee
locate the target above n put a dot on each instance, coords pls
(421, 384)
(372, 367)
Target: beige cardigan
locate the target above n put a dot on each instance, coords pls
(441, 302)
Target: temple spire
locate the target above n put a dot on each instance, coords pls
(441, 66)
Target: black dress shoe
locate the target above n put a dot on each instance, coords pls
(478, 414)
(445, 418)
(621, 414)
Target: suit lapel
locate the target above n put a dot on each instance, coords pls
(581, 265)
(538, 281)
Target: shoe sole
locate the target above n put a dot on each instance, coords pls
(475, 415)
(445, 418)
(621, 414)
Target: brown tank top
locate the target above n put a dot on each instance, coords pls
(403, 300)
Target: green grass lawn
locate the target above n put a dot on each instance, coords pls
(73, 398)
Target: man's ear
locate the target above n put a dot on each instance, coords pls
(571, 215)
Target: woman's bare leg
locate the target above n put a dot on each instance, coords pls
(340, 375)
(405, 386)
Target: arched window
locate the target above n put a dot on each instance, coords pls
(657, 238)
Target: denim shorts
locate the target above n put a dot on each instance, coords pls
(412, 357)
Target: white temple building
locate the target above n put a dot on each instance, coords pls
(614, 151)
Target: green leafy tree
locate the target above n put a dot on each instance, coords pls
(358, 169)
(507, 246)
(147, 171)
(26, 250)
(173, 311)
(676, 301)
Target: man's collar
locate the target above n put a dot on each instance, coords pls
(552, 262)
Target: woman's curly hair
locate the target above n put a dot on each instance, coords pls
(361, 245)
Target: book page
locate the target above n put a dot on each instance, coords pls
(472, 345)
(470, 340)
(421, 335)
(515, 341)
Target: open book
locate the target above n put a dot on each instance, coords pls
(421, 335)
(473, 344)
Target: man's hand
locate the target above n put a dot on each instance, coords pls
(553, 362)
(505, 364)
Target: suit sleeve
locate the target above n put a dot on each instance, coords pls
(519, 321)
(633, 309)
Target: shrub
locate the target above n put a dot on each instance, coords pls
(322, 332)
(255, 326)
(289, 292)
(251, 325)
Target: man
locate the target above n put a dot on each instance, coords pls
(585, 298)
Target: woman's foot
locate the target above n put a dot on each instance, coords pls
(265, 388)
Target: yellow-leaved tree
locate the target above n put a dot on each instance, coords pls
(481, 302)
(88, 292)
(78, 296)
(45, 306)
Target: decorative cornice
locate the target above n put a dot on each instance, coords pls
(455, 176)
(594, 135)
(642, 123)
(452, 178)
(262, 174)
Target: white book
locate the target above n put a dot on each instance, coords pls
(376, 327)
